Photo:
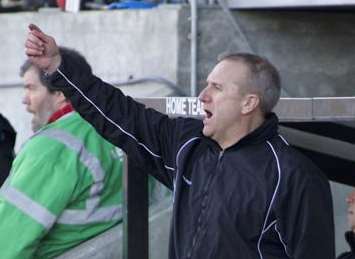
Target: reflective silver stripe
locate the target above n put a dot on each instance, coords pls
(77, 217)
(28, 206)
(91, 213)
(88, 159)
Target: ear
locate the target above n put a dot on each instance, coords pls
(59, 97)
(250, 102)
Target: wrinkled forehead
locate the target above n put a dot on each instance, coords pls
(229, 71)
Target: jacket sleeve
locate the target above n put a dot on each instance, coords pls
(31, 199)
(305, 218)
(7, 143)
(150, 138)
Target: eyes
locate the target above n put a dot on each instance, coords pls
(215, 86)
(30, 87)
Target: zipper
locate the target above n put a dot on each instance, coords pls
(220, 155)
(200, 232)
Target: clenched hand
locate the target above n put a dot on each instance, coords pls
(42, 50)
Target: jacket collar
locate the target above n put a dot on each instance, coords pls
(264, 132)
(267, 130)
(60, 113)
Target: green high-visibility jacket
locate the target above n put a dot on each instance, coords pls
(64, 188)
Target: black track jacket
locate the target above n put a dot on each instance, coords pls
(257, 199)
(7, 143)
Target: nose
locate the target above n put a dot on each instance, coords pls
(25, 99)
(204, 96)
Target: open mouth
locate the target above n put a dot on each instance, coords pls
(208, 114)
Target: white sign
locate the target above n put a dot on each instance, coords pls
(184, 106)
(72, 6)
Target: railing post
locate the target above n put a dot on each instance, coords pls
(135, 214)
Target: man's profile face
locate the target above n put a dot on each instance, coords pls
(37, 99)
(222, 100)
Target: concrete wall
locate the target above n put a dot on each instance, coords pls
(118, 44)
(312, 49)
(12, 108)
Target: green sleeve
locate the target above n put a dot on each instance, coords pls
(38, 189)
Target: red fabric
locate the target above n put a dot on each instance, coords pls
(61, 4)
(61, 112)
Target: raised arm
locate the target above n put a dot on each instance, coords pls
(149, 137)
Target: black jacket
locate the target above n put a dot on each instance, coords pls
(350, 238)
(7, 143)
(258, 199)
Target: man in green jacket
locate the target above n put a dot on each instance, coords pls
(65, 184)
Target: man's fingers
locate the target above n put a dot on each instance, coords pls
(35, 30)
(43, 37)
(33, 52)
(30, 45)
(34, 27)
(35, 40)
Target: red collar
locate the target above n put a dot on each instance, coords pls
(60, 113)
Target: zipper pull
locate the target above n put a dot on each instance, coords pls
(220, 155)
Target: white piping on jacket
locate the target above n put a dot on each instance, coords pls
(186, 180)
(274, 223)
(268, 227)
(272, 199)
(284, 140)
(177, 160)
(282, 242)
(111, 121)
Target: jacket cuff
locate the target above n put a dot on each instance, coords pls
(56, 79)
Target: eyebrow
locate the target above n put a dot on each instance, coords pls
(26, 86)
(214, 82)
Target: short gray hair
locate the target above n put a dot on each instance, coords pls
(263, 78)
